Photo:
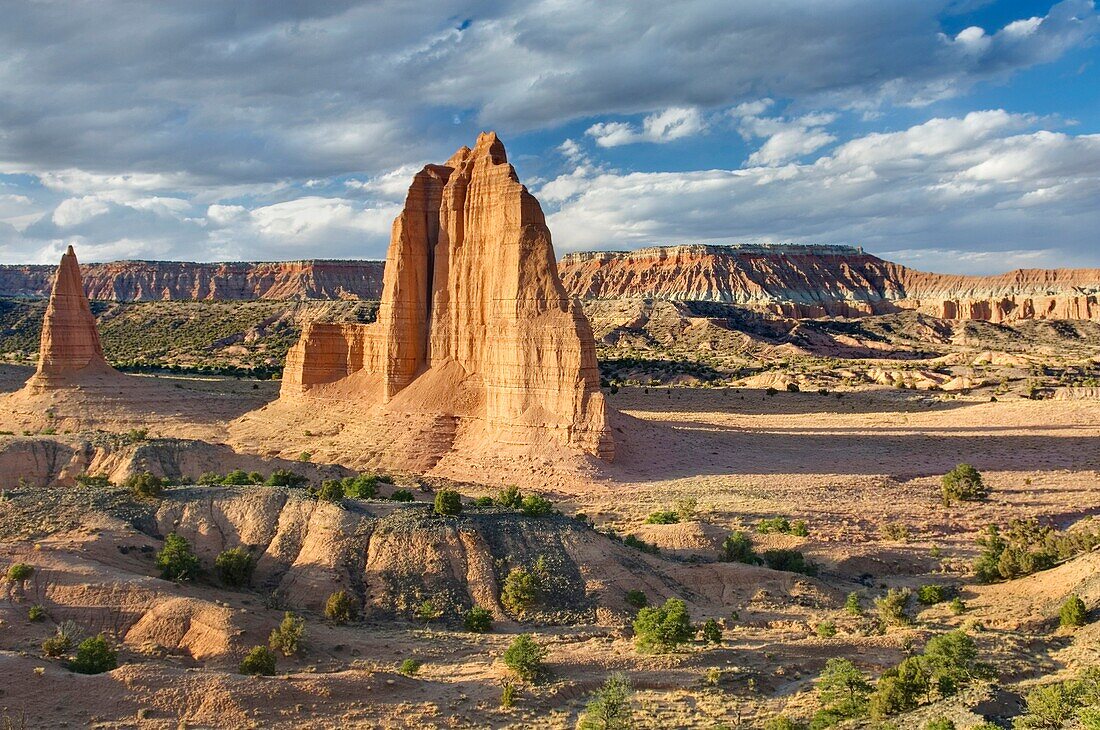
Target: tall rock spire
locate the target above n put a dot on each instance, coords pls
(70, 341)
(474, 321)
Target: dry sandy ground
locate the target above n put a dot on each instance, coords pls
(847, 465)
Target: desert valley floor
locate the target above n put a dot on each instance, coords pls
(861, 467)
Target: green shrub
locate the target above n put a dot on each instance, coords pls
(535, 505)
(401, 495)
(1073, 703)
(287, 636)
(520, 592)
(285, 478)
(963, 484)
(931, 594)
(236, 478)
(781, 722)
(737, 548)
(234, 567)
(145, 484)
(826, 629)
(951, 662)
(773, 524)
(339, 608)
(958, 607)
(842, 690)
(59, 643)
(478, 619)
(893, 608)
(662, 517)
(409, 667)
(636, 598)
(19, 572)
(427, 611)
(332, 490)
(525, 657)
(852, 604)
(799, 528)
(712, 632)
(1025, 547)
(260, 660)
(95, 655)
(364, 486)
(791, 561)
(508, 694)
(899, 689)
(209, 479)
(609, 708)
(176, 560)
(255, 477)
(448, 502)
(662, 628)
(98, 480)
(940, 724)
(639, 544)
(484, 502)
(685, 508)
(305, 457)
(1073, 612)
(510, 497)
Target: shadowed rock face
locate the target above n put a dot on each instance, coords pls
(70, 346)
(474, 320)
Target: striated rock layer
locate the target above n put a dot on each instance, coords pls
(819, 281)
(474, 321)
(70, 350)
(142, 281)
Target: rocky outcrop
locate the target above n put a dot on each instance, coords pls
(474, 321)
(140, 281)
(819, 281)
(70, 349)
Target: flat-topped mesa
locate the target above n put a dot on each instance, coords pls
(70, 348)
(474, 320)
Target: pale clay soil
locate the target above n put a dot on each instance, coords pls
(847, 466)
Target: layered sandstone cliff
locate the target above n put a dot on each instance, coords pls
(817, 281)
(474, 321)
(140, 281)
(70, 351)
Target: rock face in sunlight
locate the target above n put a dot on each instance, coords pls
(474, 322)
(70, 349)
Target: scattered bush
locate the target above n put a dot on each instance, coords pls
(61, 641)
(332, 490)
(1026, 547)
(712, 632)
(339, 608)
(535, 505)
(781, 722)
(234, 567)
(948, 664)
(484, 502)
(662, 517)
(19, 572)
(520, 592)
(773, 524)
(737, 548)
(285, 478)
(99, 481)
(427, 611)
(963, 484)
(895, 531)
(259, 661)
(478, 619)
(508, 695)
(609, 708)
(448, 502)
(663, 628)
(95, 655)
(409, 667)
(176, 560)
(899, 689)
(685, 508)
(401, 495)
(1063, 703)
(525, 657)
(364, 486)
(287, 636)
(893, 608)
(843, 692)
(940, 724)
(1073, 612)
(146, 485)
(636, 598)
(791, 561)
(958, 607)
(236, 478)
(510, 497)
(931, 594)
(636, 542)
(305, 457)
(36, 613)
(799, 528)
(852, 604)
(826, 629)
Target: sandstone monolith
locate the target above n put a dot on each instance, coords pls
(474, 321)
(70, 350)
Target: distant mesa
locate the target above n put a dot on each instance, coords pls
(474, 323)
(70, 351)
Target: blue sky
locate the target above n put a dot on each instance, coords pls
(951, 135)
